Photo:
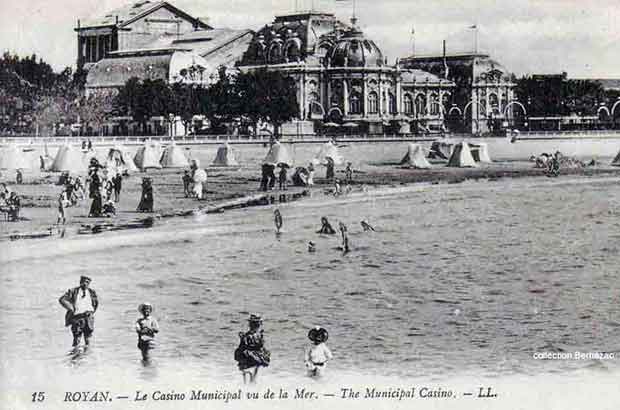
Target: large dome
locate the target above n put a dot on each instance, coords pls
(354, 50)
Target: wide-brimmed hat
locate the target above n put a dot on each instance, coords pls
(142, 306)
(255, 318)
(318, 334)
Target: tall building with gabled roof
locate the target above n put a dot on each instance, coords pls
(131, 27)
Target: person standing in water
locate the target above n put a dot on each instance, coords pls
(251, 353)
(146, 328)
(277, 219)
(345, 237)
(81, 304)
(318, 354)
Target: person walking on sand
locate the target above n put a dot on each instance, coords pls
(311, 174)
(277, 219)
(282, 177)
(187, 180)
(146, 200)
(63, 202)
(348, 172)
(95, 194)
(117, 183)
(251, 353)
(318, 354)
(81, 304)
(146, 328)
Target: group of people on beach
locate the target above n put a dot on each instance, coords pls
(10, 203)
(194, 181)
(81, 304)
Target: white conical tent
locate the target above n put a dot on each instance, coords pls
(226, 157)
(328, 150)
(120, 160)
(415, 157)
(174, 157)
(480, 152)
(147, 156)
(461, 156)
(69, 159)
(12, 157)
(278, 154)
(616, 161)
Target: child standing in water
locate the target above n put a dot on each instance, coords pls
(146, 327)
(318, 354)
(251, 353)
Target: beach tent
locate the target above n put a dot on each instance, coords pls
(119, 160)
(226, 157)
(12, 157)
(148, 156)
(278, 154)
(480, 152)
(441, 150)
(69, 159)
(173, 157)
(461, 156)
(328, 150)
(616, 161)
(415, 157)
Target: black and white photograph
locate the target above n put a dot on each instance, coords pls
(310, 204)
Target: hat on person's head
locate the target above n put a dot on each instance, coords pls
(318, 334)
(143, 306)
(85, 278)
(255, 318)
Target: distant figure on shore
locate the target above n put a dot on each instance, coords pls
(311, 174)
(251, 353)
(277, 219)
(117, 183)
(81, 304)
(146, 328)
(329, 173)
(83, 145)
(348, 172)
(271, 176)
(90, 144)
(345, 237)
(337, 188)
(282, 177)
(14, 205)
(199, 176)
(366, 226)
(146, 200)
(63, 202)
(326, 227)
(187, 180)
(318, 354)
(19, 177)
(95, 194)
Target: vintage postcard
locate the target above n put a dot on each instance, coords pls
(309, 204)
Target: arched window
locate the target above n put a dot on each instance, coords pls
(355, 103)
(292, 52)
(494, 101)
(408, 104)
(373, 103)
(274, 53)
(420, 104)
(435, 104)
(392, 103)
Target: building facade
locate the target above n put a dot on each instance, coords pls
(484, 99)
(343, 79)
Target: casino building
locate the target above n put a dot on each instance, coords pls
(343, 79)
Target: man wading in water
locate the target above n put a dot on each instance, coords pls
(81, 304)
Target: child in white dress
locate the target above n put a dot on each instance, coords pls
(318, 354)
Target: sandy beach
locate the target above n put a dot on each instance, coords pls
(373, 164)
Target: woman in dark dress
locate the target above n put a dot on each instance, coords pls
(95, 194)
(146, 201)
(251, 353)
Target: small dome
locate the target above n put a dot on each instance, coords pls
(355, 50)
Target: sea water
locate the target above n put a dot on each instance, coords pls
(459, 287)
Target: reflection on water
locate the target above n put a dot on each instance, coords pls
(470, 277)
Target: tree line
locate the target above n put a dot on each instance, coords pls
(35, 99)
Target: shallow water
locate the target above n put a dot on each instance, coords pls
(457, 279)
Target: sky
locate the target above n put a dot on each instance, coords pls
(581, 37)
